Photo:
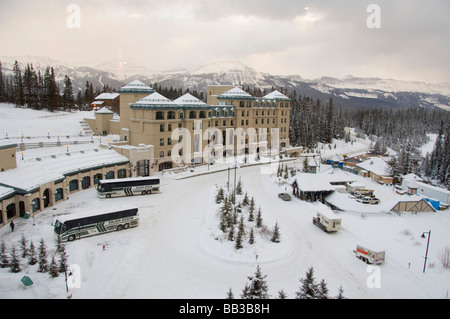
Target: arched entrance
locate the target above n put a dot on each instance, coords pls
(46, 199)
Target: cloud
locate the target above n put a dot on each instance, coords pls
(309, 38)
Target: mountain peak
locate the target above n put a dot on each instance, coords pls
(223, 66)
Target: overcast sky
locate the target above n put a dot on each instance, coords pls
(310, 38)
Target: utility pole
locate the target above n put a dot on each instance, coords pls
(426, 253)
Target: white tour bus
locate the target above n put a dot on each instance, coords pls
(74, 226)
(108, 188)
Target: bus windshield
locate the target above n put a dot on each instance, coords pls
(58, 226)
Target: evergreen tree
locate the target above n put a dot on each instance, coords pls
(4, 260)
(257, 288)
(43, 263)
(220, 196)
(239, 187)
(251, 239)
(240, 235)
(2, 85)
(18, 85)
(53, 268)
(309, 289)
(245, 201)
(14, 263)
(67, 100)
(23, 246)
(322, 290)
(340, 294)
(62, 259)
(32, 259)
(276, 234)
(230, 294)
(282, 294)
(259, 219)
(52, 90)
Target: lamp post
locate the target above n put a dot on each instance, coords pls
(428, 243)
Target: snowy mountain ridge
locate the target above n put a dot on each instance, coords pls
(349, 91)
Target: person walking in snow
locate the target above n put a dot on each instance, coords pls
(12, 226)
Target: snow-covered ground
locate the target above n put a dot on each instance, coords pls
(175, 251)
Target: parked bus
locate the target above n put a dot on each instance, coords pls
(75, 226)
(108, 188)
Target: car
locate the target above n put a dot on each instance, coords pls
(284, 196)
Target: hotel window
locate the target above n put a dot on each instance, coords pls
(169, 127)
(161, 128)
(169, 141)
(160, 115)
(161, 154)
(161, 142)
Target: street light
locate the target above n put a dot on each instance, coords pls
(426, 253)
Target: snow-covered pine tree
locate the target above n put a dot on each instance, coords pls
(240, 234)
(308, 289)
(62, 259)
(43, 263)
(257, 288)
(18, 85)
(67, 99)
(259, 220)
(230, 294)
(14, 263)
(276, 234)
(340, 294)
(239, 187)
(32, 259)
(322, 290)
(24, 246)
(4, 260)
(251, 239)
(282, 294)
(53, 268)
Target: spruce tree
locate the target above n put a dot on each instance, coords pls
(32, 259)
(257, 288)
(2, 85)
(340, 294)
(259, 220)
(4, 260)
(239, 187)
(67, 99)
(14, 263)
(53, 268)
(308, 289)
(251, 239)
(18, 85)
(240, 235)
(322, 290)
(23, 246)
(276, 234)
(62, 259)
(43, 263)
(282, 294)
(230, 294)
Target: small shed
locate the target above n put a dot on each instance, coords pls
(311, 187)
(413, 206)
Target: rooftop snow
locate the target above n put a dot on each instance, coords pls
(375, 165)
(136, 86)
(308, 182)
(235, 93)
(276, 95)
(188, 99)
(34, 173)
(107, 96)
(156, 99)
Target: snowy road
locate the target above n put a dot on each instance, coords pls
(173, 253)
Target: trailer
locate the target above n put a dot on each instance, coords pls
(369, 256)
(327, 220)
